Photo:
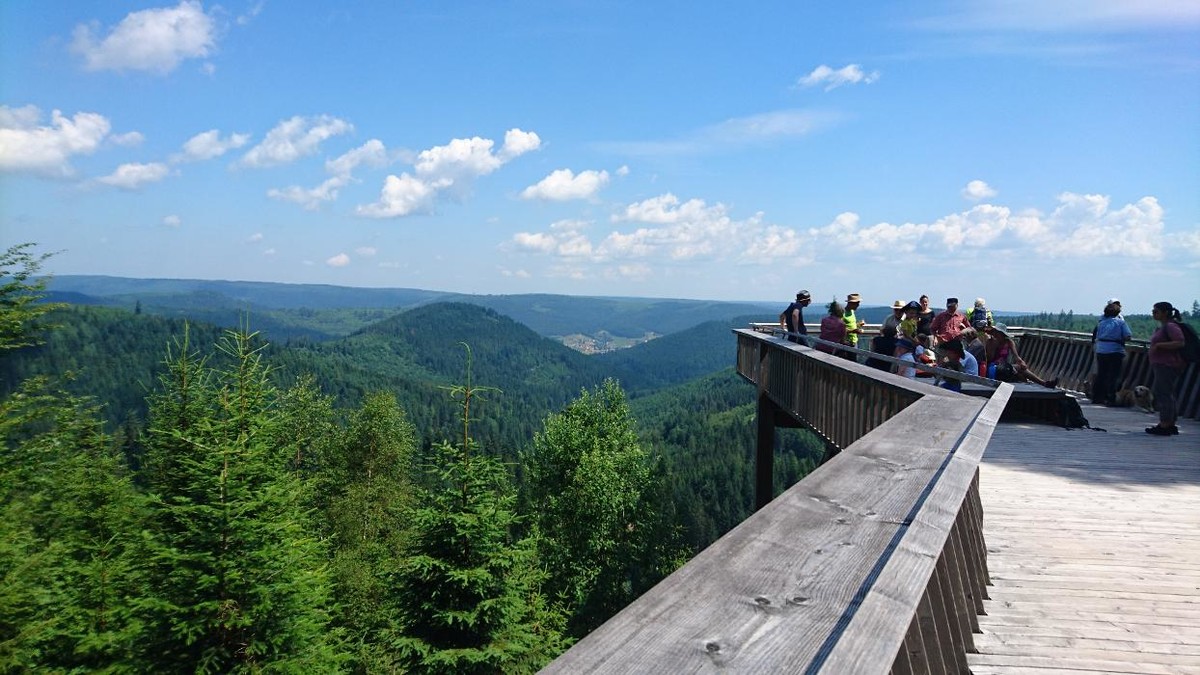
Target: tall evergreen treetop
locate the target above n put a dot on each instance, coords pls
(239, 580)
(471, 592)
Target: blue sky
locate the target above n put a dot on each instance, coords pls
(1042, 154)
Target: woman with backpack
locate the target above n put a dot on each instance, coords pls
(1166, 362)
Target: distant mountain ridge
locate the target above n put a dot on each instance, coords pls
(272, 307)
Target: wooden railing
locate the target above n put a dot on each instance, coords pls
(1069, 357)
(875, 562)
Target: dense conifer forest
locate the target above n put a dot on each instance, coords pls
(217, 478)
(440, 489)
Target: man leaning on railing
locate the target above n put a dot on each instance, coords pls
(792, 318)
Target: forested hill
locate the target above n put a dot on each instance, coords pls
(116, 355)
(419, 354)
(287, 311)
(182, 292)
(676, 358)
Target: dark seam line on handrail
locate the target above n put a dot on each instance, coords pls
(861, 594)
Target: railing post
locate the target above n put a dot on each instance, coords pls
(764, 454)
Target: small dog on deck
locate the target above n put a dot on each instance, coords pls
(1139, 396)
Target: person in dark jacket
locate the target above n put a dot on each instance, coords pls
(792, 318)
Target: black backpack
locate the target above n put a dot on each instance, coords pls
(1191, 343)
(1070, 415)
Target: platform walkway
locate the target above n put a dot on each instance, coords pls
(1093, 548)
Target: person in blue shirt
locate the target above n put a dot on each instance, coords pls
(1109, 340)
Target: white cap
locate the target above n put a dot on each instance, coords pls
(1114, 301)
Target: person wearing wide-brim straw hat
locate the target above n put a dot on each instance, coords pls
(893, 320)
(854, 327)
(1003, 361)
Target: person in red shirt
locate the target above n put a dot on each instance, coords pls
(833, 329)
(948, 325)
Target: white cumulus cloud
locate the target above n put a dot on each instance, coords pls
(255, 238)
(1086, 226)
(977, 190)
(310, 198)
(563, 185)
(667, 231)
(209, 145)
(832, 79)
(172, 221)
(133, 176)
(446, 167)
(371, 153)
(294, 138)
(26, 146)
(401, 196)
(155, 40)
(339, 260)
(366, 251)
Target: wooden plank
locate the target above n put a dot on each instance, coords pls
(1013, 642)
(1085, 663)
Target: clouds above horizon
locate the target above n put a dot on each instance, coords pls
(209, 145)
(28, 146)
(372, 153)
(978, 190)
(826, 76)
(564, 185)
(670, 230)
(153, 40)
(134, 175)
(451, 167)
(293, 139)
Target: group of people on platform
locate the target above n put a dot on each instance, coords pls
(973, 343)
(970, 342)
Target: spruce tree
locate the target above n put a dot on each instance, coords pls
(238, 579)
(69, 515)
(470, 591)
(21, 293)
(70, 522)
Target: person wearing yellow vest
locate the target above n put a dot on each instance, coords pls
(854, 327)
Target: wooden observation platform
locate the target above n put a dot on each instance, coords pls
(939, 539)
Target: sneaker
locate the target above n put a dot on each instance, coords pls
(1052, 383)
(1174, 430)
(1160, 431)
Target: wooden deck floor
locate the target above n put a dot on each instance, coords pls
(1093, 547)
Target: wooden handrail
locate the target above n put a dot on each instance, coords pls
(873, 562)
(1069, 357)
